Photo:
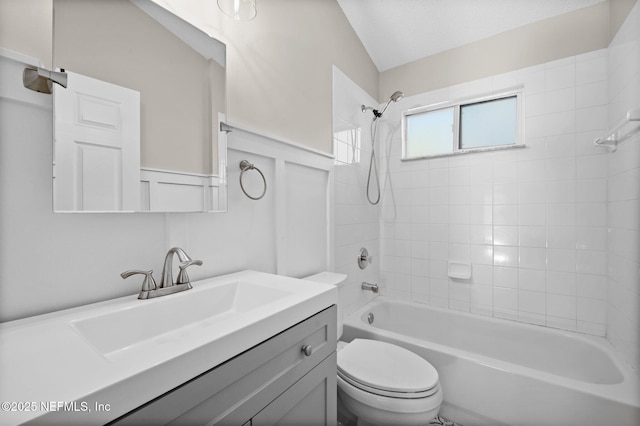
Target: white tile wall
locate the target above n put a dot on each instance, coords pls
(623, 202)
(532, 222)
(552, 231)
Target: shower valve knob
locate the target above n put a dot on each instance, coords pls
(364, 258)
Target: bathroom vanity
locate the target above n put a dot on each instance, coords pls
(245, 348)
(290, 378)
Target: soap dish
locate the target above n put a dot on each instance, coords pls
(459, 270)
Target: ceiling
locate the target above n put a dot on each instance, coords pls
(395, 32)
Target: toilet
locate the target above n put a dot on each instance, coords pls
(380, 383)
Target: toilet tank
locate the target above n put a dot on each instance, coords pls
(331, 278)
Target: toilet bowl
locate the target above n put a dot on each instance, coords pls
(380, 383)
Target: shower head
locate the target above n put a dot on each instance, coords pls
(395, 97)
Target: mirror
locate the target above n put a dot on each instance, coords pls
(137, 128)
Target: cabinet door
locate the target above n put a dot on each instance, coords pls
(310, 401)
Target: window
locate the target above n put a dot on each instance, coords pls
(454, 128)
(430, 133)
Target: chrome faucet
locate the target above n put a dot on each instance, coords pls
(167, 271)
(368, 286)
(167, 286)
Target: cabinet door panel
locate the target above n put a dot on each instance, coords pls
(310, 401)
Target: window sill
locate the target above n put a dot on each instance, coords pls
(465, 151)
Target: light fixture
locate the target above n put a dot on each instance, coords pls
(240, 10)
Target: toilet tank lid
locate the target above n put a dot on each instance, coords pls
(332, 278)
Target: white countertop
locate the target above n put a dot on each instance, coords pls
(49, 373)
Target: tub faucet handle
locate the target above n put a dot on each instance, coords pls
(364, 258)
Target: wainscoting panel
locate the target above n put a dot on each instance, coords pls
(167, 191)
(306, 223)
(300, 183)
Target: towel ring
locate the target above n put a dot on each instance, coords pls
(244, 166)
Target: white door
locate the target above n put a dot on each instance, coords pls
(97, 146)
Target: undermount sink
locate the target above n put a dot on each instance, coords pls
(160, 318)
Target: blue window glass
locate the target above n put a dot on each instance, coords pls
(429, 133)
(489, 123)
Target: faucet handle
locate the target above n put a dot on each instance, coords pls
(148, 284)
(183, 277)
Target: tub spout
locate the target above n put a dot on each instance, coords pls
(369, 286)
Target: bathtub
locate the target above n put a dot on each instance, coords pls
(499, 372)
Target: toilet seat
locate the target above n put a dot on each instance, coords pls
(387, 370)
(381, 392)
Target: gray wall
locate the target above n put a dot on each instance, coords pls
(581, 31)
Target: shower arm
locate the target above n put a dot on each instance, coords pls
(395, 97)
(377, 114)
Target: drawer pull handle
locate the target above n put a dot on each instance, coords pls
(307, 350)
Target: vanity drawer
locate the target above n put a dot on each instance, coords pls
(233, 392)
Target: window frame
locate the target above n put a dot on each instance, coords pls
(456, 105)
